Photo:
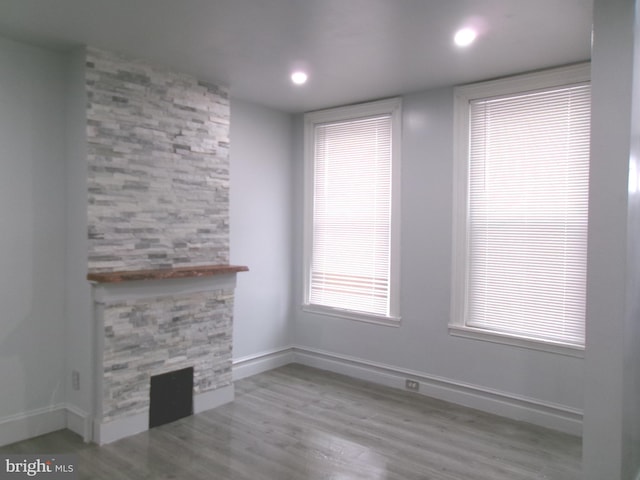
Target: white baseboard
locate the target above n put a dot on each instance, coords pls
(546, 414)
(262, 362)
(557, 417)
(33, 423)
(104, 433)
(109, 432)
(79, 421)
(213, 398)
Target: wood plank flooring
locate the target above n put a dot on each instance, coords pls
(300, 423)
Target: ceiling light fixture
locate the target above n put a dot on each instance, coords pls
(465, 37)
(299, 78)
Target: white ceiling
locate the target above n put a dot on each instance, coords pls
(354, 50)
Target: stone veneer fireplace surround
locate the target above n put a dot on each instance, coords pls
(152, 322)
(158, 211)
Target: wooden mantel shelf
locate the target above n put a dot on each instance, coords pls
(165, 273)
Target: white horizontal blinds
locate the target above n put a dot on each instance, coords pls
(528, 194)
(352, 215)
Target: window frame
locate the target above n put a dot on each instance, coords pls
(392, 107)
(463, 95)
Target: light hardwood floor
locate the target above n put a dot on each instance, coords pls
(300, 423)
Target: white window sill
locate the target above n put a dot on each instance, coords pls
(352, 315)
(506, 339)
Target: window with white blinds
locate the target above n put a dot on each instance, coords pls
(351, 234)
(526, 212)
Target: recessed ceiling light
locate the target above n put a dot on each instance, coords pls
(299, 78)
(465, 37)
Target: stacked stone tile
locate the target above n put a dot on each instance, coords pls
(158, 178)
(148, 337)
(158, 154)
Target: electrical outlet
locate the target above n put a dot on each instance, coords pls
(75, 379)
(412, 385)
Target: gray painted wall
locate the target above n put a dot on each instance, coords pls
(32, 238)
(611, 440)
(631, 343)
(79, 308)
(422, 342)
(261, 212)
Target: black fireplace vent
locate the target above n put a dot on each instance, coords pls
(171, 397)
